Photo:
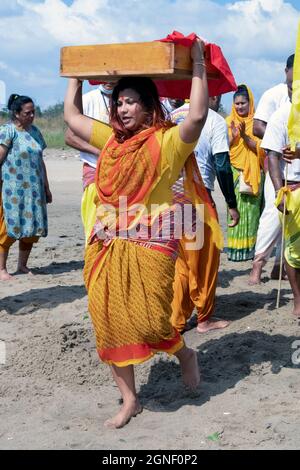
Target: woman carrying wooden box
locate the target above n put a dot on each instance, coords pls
(128, 270)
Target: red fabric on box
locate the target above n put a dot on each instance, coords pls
(182, 88)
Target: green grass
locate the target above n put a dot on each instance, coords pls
(53, 130)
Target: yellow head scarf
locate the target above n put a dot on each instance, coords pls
(241, 156)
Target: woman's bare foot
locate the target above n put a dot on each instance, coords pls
(4, 275)
(296, 310)
(255, 274)
(208, 325)
(189, 367)
(128, 410)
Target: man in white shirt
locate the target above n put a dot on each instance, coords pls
(95, 104)
(200, 268)
(275, 141)
(269, 230)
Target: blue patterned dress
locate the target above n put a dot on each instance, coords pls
(23, 192)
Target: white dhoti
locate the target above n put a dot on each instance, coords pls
(269, 229)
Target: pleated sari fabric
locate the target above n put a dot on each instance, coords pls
(130, 277)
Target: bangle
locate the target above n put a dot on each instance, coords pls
(200, 63)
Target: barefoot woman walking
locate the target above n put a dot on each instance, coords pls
(129, 278)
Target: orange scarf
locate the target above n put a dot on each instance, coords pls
(128, 169)
(241, 156)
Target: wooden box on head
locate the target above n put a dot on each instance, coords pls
(103, 62)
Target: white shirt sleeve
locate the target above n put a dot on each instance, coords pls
(265, 107)
(270, 101)
(275, 137)
(219, 137)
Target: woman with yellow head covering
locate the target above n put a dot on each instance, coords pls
(247, 160)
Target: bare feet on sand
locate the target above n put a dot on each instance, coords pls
(189, 367)
(23, 270)
(4, 276)
(128, 410)
(296, 310)
(255, 274)
(208, 325)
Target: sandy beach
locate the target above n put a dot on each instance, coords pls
(56, 394)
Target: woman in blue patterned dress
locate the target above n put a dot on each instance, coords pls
(23, 182)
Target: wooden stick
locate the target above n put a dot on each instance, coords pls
(282, 240)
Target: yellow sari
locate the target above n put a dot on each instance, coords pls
(129, 281)
(241, 156)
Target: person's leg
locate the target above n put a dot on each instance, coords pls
(4, 275)
(25, 247)
(204, 269)
(276, 268)
(182, 306)
(294, 278)
(5, 244)
(268, 233)
(124, 378)
(189, 366)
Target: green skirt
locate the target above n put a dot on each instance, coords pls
(241, 239)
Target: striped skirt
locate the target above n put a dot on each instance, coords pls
(241, 239)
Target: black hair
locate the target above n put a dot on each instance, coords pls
(16, 103)
(242, 91)
(290, 61)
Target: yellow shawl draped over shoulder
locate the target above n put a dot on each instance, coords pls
(241, 156)
(132, 169)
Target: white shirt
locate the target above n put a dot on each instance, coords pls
(276, 137)
(270, 101)
(213, 139)
(95, 104)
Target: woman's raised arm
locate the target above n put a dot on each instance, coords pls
(78, 123)
(191, 127)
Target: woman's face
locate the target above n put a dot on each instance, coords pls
(241, 105)
(130, 110)
(26, 115)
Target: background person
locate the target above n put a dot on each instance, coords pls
(276, 141)
(25, 188)
(269, 229)
(196, 271)
(247, 159)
